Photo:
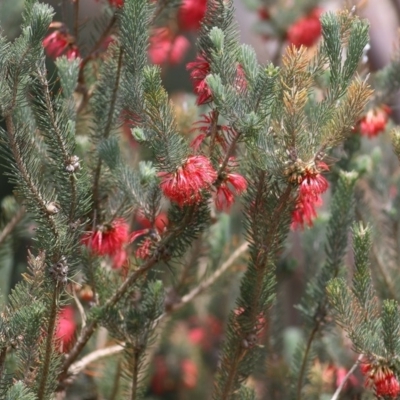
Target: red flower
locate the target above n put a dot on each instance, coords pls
(204, 126)
(312, 185)
(232, 185)
(189, 373)
(58, 43)
(66, 327)
(160, 222)
(72, 52)
(55, 44)
(190, 14)
(143, 251)
(199, 69)
(167, 48)
(116, 3)
(110, 240)
(263, 14)
(382, 378)
(306, 30)
(184, 186)
(374, 121)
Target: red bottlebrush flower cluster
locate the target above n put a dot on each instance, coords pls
(204, 126)
(58, 43)
(306, 30)
(167, 48)
(190, 14)
(232, 185)
(374, 122)
(160, 222)
(116, 3)
(66, 327)
(199, 69)
(263, 14)
(382, 378)
(167, 379)
(110, 240)
(312, 185)
(184, 186)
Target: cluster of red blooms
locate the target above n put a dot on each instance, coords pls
(66, 327)
(168, 379)
(306, 30)
(110, 240)
(374, 122)
(225, 193)
(160, 223)
(199, 69)
(312, 186)
(60, 43)
(382, 379)
(166, 46)
(185, 185)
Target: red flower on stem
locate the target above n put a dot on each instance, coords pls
(382, 378)
(374, 122)
(190, 14)
(167, 48)
(116, 3)
(232, 184)
(263, 14)
(184, 186)
(205, 126)
(312, 186)
(60, 42)
(306, 30)
(199, 69)
(110, 240)
(65, 330)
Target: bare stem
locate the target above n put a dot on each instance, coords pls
(304, 361)
(3, 354)
(12, 224)
(135, 371)
(346, 378)
(93, 357)
(76, 19)
(49, 346)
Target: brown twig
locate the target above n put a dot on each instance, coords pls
(49, 346)
(346, 378)
(12, 224)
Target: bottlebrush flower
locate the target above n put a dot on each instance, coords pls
(184, 186)
(232, 185)
(143, 251)
(382, 378)
(263, 14)
(190, 14)
(199, 69)
(160, 221)
(116, 3)
(374, 122)
(65, 330)
(189, 373)
(167, 48)
(205, 126)
(306, 30)
(312, 186)
(110, 240)
(56, 43)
